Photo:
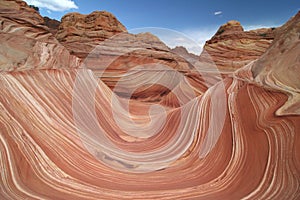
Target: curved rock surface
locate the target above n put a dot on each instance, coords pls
(25, 43)
(64, 134)
(81, 33)
(282, 71)
(53, 162)
(231, 47)
(101, 40)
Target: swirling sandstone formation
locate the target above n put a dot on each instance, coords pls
(26, 42)
(231, 47)
(281, 72)
(64, 134)
(102, 34)
(80, 34)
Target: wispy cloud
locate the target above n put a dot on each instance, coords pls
(258, 26)
(200, 36)
(218, 13)
(54, 5)
(193, 40)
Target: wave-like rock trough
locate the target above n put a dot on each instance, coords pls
(66, 134)
(43, 156)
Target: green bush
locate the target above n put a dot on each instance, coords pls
(34, 7)
(220, 31)
(263, 34)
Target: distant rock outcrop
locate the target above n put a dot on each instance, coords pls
(97, 26)
(232, 47)
(81, 34)
(180, 50)
(117, 50)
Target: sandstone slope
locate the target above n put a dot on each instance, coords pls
(64, 134)
(26, 43)
(105, 47)
(231, 47)
(282, 71)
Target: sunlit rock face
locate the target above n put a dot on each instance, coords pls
(282, 71)
(26, 43)
(101, 41)
(64, 134)
(81, 33)
(231, 47)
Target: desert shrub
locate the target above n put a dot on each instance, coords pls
(34, 7)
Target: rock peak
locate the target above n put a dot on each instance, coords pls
(99, 25)
(230, 27)
(232, 47)
(233, 23)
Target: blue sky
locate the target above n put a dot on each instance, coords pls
(198, 19)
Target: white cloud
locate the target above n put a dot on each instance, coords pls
(53, 5)
(218, 13)
(258, 26)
